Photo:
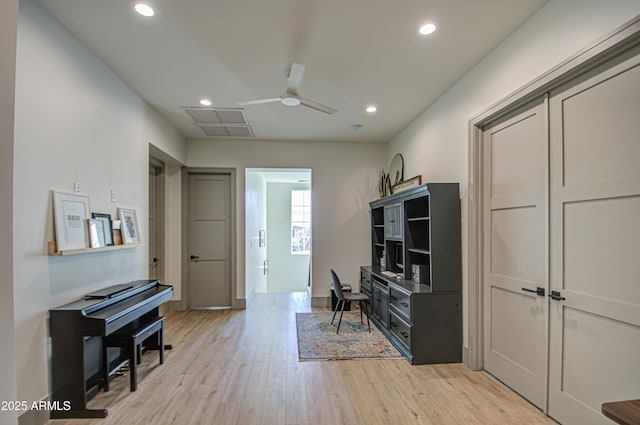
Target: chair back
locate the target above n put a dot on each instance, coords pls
(337, 286)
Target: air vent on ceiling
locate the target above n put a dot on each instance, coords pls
(212, 130)
(220, 122)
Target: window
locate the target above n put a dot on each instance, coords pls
(301, 222)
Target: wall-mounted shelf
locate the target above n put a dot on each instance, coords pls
(94, 250)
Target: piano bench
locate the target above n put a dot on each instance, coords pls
(131, 338)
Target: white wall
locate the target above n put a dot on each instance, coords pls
(256, 220)
(287, 272)
(344, 182)
(75, 121)
(436, 143)
(8, 28)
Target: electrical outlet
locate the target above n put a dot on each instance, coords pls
(76, 188)
(114, 198)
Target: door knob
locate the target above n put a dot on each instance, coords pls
(555, 295)
(194, 257)
(538, 291)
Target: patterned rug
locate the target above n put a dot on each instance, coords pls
(317, 339)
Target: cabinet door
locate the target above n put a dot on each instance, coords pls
(389, 220)
(393, 221)
(380, 300)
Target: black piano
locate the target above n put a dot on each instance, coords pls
(72, 327)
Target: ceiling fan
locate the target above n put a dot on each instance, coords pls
(292, 97)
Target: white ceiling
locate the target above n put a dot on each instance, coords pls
(357, 52)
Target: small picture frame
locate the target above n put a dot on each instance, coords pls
(71, 213)
(129, 227)
(96, 233)
(105, 220)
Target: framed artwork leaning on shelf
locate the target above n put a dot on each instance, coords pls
(105, 221)
(70, 213)
(96, 233)
(129, 227)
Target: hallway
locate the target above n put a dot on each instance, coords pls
(241, 367)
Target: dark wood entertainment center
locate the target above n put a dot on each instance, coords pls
(415, 278)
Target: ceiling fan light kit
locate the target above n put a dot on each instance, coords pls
(290, 100)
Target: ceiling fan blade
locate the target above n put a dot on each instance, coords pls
(317, 106)
(259, 101)
(294, 81)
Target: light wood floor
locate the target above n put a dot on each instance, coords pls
(241, 367)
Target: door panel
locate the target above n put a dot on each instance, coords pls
(513, 238)
(602, 237)
(588, 341)
(209, 240)
(209, 294)
(595, 244)
(601, 128)
(515, 322)
(516, 155)
(514, 310)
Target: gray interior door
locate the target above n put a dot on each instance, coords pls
(595, 243)
(515, 228)
(209, 248)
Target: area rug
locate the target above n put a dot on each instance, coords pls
(317, 339)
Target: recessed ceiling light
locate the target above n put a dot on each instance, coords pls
(144, 9)
(427, 29)
(371, 109)
(205, 102)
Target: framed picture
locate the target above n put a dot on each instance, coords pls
(96, 233)
(71, 213)
(105, 220)
(129, 227)
(407, 184)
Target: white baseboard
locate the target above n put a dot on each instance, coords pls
(320, 301)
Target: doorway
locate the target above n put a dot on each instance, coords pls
(278, 230)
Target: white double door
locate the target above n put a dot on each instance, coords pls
(562, 246)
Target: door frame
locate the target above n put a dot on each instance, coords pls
(160, 212)
(231, 172)
(615, 43)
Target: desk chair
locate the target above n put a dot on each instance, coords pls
(343, 297)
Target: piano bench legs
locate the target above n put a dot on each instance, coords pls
(131, 340)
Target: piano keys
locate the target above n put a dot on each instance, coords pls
(99, 314)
